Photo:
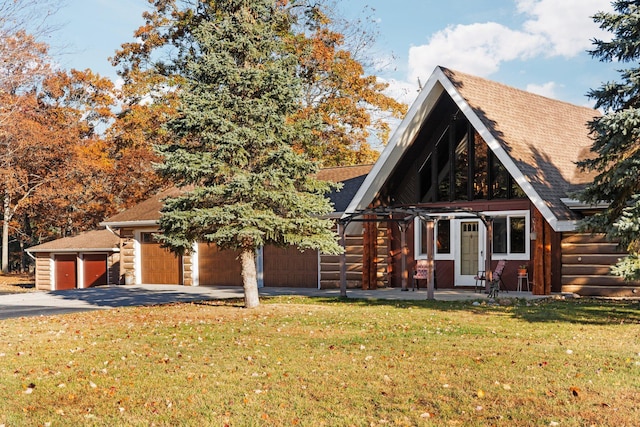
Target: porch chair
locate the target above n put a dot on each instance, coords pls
(421, 273)
(480, 277)
(494, 286)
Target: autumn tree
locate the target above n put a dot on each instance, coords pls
(233, 142)
(23, 65)
(350, 105)
(617, 137)
(77, 106)
(56, 171)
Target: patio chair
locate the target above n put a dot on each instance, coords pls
(480, 277)
(421, 273)
(494, 285)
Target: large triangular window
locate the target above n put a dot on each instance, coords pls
(461, 167)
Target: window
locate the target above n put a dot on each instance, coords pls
(442, 236)
(509, 235)
(443, 240)
(148, 238)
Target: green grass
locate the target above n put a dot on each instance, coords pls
(313, 362)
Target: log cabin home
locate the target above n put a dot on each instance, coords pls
(493, 169)
(476, 173)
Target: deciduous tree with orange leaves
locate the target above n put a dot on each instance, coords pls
(350, 105)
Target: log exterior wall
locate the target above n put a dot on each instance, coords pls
(113, 267)
(127, 256)
(330, 264)
(586, 266)
(187, 270)
(43, 271)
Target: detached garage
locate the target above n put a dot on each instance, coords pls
(83, 261)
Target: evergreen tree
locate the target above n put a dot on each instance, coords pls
(233, 138)
(616, 137)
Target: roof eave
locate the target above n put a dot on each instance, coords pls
(577, 205)
(64, 250)
(400, 141)
(130, 224)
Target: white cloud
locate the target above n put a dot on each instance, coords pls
(546, 89)
(553, 28)
(477, 49)
(567, 25)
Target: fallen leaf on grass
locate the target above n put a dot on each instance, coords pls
(575, 391)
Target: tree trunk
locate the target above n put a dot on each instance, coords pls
(5, 233)
(249, 278)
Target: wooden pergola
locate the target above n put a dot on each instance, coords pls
(403, 216)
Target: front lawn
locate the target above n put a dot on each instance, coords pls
(314, 362)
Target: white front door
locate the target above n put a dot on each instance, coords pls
(469, 251)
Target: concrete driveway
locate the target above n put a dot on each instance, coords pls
(45, 303)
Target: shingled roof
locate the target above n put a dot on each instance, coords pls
(537, 139)
(147, 213)
(351, 177)
(91, 241)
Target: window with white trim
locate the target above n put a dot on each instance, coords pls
(510, 235)
(442, 236)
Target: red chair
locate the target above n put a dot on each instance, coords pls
(421, 273)
(494, 286)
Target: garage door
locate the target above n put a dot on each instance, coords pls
(216, 267)
(65, 266)
(290, 268)
(159, 265)
(95, 270)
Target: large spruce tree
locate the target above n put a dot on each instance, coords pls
(232, 151)
(617, 136)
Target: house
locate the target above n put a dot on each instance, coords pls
(145, 261)
(476, 173)
(89, 259)
(492, 169)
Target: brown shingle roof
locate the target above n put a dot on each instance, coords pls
(148, 212)
(91, 241)
(343, 173)
(351, 178)
(544, 137)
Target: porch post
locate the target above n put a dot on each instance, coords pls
(343, 260)
(403, 257)
(488, 272)
(430, 262)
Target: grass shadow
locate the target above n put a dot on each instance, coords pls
(588, 311)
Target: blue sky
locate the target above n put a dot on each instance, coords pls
(536, 45)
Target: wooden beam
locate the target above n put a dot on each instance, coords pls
(366, 254)
(538, 286)
(548, 254)
(430, 265)
(373, 251)
(343, 260)
(403, 256)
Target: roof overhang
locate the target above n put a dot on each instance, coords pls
(577, 205)
(72, 250)
(130, 224)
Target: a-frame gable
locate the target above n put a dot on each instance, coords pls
(443, 80)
